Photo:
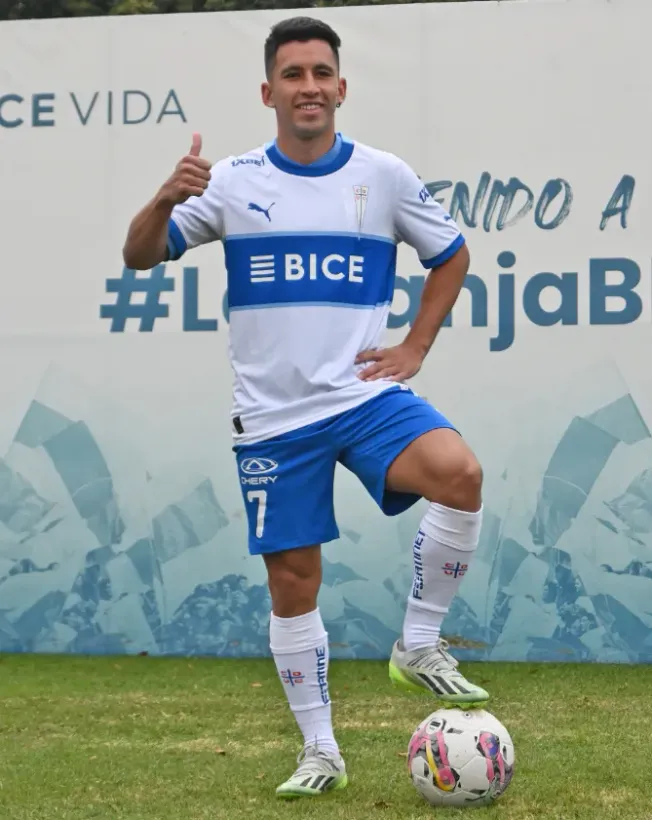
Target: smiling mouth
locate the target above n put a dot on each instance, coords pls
(309, 106)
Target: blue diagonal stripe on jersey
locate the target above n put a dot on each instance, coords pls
(270, 270)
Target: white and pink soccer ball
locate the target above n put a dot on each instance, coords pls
(461, 758)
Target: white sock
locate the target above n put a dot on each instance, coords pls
(300, 649)
(442, 552)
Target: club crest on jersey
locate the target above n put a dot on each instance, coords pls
(360, 194)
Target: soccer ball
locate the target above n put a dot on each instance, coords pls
(460, 758)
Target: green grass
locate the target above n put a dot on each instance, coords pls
(160, 739)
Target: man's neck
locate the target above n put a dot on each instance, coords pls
(305, 152)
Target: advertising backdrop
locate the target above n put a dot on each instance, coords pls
(122, 527)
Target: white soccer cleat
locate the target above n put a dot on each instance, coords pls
(436, 671)
(318, 772)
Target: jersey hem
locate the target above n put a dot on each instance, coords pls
(305, 421)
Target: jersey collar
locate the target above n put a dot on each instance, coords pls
(331, 161)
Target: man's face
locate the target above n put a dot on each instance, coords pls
(304, 88)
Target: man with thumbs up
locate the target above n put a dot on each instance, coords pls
(310, 223)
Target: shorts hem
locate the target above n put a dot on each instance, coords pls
(265, 549)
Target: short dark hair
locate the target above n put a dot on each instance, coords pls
(299, 29)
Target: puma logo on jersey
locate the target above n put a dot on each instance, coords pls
(253, 207)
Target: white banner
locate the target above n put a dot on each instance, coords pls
(121, 520)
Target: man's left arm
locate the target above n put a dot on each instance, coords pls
(427, 227)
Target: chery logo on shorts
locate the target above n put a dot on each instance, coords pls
(258, 466)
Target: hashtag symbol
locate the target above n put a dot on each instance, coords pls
(148, 311)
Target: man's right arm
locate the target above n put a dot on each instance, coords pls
(148, 238)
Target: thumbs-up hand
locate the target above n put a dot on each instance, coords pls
(191, 176)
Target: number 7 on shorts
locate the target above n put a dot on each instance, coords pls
(259, 496)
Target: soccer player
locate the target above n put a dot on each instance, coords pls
(310, 224)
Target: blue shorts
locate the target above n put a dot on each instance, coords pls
(287, 481)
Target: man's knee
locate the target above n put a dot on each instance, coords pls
(440, 467)
(294, 578)
(458, 482)
(463, 490)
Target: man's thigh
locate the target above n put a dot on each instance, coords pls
(377, 432)
(440, 466)
(287, 487)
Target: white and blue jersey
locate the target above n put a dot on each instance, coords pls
(310, 254)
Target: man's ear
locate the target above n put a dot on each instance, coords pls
(266, 95)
